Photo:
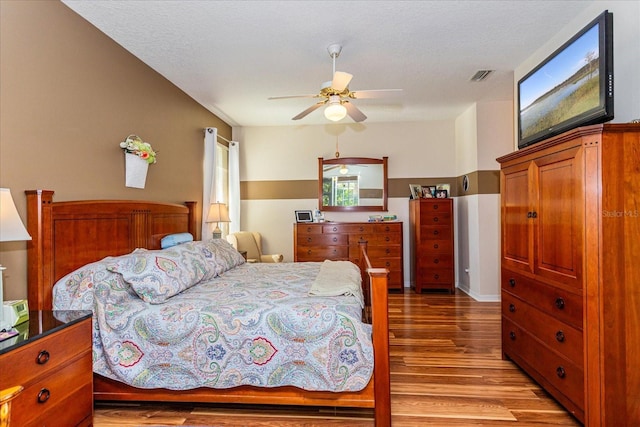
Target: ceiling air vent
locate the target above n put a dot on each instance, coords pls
(481, 75)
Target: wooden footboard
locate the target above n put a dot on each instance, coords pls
(67, 235)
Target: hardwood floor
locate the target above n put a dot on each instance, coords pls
(446, 370)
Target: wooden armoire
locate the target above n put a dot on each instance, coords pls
(570, 208)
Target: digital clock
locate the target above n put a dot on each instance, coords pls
(16, 311)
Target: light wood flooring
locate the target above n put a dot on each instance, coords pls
(446, 370)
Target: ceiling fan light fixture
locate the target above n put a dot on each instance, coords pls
(335, 111)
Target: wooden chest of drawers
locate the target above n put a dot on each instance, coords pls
(570, 318)
(431, 229)
(339, 241)
(54, 365)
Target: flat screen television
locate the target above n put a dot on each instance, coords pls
(572, 87)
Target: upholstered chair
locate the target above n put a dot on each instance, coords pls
(251, 243)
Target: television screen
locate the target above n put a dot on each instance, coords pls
(572, 87)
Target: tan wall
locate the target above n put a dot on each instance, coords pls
(69, 95)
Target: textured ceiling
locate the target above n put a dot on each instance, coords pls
(230, 56)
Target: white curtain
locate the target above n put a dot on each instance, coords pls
(234, 186)
(209, 178)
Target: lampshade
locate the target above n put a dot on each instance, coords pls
(344, 170)
(218, 212)
(11, 226)
(335, 111)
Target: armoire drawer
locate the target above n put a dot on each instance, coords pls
(559, 303)
(560, 372)
(438, 246)
(559, 336)
(435, 218)
(375, 239)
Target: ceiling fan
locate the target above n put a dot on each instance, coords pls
(337, 96)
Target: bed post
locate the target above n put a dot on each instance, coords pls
(39, 268)
(192, 226)
(378, 291)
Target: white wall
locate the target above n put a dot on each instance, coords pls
(483, 133)
(626, 55)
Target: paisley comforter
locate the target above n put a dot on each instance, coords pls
(198, 316)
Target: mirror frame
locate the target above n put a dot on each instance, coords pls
(353, 161)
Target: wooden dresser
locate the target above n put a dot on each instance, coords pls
(431, 233)
(570, 271)
(52, 360)
(339, 241)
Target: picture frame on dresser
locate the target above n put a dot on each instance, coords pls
(304, 216)
(442, 194)
(428, 191)
(416, 191)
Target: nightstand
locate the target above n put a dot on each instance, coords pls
(52, 360)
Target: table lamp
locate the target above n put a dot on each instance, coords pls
(11, 230)
(218, 213)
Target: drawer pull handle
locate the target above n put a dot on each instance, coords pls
(436, 246)
(308, 229)
(512, 308)
(335, 228)
(361, 228)
(560, 303)
(309, 240)
(335, 239)
(387, 228)
(560, 372)
(309, 252)
(388, 251)
(512, 282)
(435, 206)
(388, 264)
(387, 238)
(44, 395)
(436, 232)
(435, 219)
(512, 335)
(436, 276)
(43, 357)
(560, 336)
(436, 261)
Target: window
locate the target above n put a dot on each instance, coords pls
(222, 180)
(340, 191)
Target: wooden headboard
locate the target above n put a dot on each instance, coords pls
(68, 235)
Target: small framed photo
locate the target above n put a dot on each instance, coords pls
(444, 187)
(442, 194)
(416, 191)
(304, 216)
(428, 191)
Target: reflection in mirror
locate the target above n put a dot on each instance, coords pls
(352, 184)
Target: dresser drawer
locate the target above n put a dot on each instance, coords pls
(322, 239)
(321, 253)
(557, 335)
(309, 229)
(435, 218)
(375, 239)
(435, 260)
(381, 251)
(59, 399)
(435, 275)
(561, 373)
(364, 228)
(434, 232)
(437, 246)
(559, 303)
(45, 355)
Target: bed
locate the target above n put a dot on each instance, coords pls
(69, 235)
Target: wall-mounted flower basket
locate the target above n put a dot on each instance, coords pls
(138, 155)
(135, 170)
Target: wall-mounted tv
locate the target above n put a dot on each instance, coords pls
(572, 87)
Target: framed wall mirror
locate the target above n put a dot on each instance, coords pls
(352, 184)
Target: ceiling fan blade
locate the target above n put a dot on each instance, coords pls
(354, 112)
(293, 96)
(341, 80)
(308, 110)
(376, 93)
